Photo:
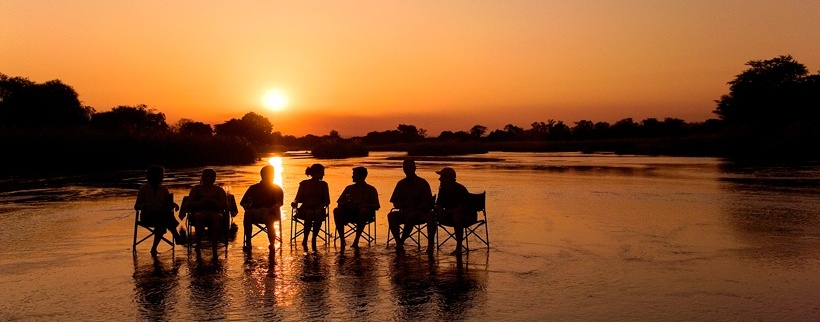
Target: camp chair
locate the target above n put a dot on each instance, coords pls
(138, 222)
(476, 203)
(228, 213)
(368, 234)
(418, 234)
(295, 232)
(258, 228)
(419, 231)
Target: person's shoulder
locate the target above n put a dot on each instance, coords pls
(420, 179)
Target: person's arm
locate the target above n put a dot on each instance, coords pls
(373, 198)
(246, 200)
(298, 198)
(326, 192)
(279, 198)
(140, 199)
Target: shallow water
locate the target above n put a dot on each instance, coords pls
(574, 237)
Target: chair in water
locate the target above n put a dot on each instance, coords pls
(227, 213)
(151, 228)
(295, 231)
(368, 232)
(476, 205)
(417, 235)
(258, 228)
(418, 232)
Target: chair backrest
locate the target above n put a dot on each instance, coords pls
(477, 201)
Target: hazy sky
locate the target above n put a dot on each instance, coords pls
(360, 66)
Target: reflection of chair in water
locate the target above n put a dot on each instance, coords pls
(227, 215)
(258, 228)
(368, 234)
(150, 227)
(324, 231)
(476, 204)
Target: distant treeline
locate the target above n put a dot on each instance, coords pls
(771, 111)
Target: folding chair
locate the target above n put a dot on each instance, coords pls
(476, 203)
(368, 234)
(258, 228)
(228, 213)
(418, 232)
(138, 222)
(417, 235)
(295, 232)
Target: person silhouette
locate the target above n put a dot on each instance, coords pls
(157, 206)
(262, 203)
(414, 200)
(314, 196)
(358, 204)
(208, 204)
(451, 205)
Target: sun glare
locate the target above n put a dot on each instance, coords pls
(275, 100)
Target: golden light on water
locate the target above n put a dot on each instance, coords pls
(276, 162)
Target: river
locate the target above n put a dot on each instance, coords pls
(591, 237)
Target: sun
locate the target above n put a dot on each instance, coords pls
(275, 100)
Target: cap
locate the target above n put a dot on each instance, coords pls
(447, 172)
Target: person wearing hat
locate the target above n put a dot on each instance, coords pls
(451, 205)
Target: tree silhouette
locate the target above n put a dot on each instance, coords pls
(130, 119)
(252, 127)
(191, 128)
(25, 104)
(775, 90)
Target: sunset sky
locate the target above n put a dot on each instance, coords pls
(361, 66)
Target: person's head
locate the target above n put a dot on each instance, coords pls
(155, 174)
(409, 167)
(359, 174)
(316, 171)
(208, 176)
(447, 174)
(267, 174)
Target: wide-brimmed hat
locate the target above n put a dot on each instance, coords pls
(447, 172)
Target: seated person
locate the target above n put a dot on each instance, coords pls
(311, 199)
(157, 207)
(262, 203)
(413, 199)
(451, 206)
(207, 204)
(357, 204)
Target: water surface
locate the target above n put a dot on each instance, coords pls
(581, 237)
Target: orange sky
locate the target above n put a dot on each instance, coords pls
(360, 66)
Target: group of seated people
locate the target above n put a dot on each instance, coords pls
(412, 200)
(207, 204)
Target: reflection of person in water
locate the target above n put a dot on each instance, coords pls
(413, 281)
(207, 203)
(207, 291)
(314, 196)
(413, 199)
(157, 207)
(262, 203)
(357, 204)
(313, 289)
(357, 278)
(155, 286)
